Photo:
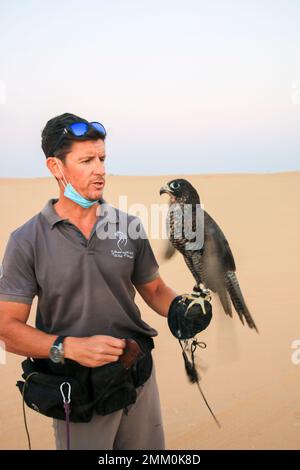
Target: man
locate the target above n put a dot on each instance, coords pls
(85, 286)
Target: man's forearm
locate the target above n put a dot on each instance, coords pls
(161, 300)
(25, 340)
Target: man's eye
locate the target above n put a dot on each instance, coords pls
(86, 161)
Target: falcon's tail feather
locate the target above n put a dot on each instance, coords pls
(237, 299)
(223, 296)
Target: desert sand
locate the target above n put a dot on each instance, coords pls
(249, 378)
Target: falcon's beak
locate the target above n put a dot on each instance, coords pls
(165, 189)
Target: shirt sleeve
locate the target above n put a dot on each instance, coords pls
(17, 277)
(145, 265)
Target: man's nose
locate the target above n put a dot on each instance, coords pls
(99, 168)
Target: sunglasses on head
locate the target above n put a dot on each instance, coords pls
(79, 129)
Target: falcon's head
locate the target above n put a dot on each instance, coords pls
(181, 191)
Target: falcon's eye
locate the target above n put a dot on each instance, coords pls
(175, 185)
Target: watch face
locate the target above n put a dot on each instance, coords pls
(55, 354)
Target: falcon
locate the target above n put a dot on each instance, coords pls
(211, 262)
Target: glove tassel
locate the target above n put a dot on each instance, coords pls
(189, 367)
(193, 374)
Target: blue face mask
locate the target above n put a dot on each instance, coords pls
(74, 195)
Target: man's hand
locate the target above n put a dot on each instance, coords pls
(93, 351)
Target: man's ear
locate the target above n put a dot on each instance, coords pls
(53, 168)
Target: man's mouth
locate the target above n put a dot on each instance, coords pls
(98, 184)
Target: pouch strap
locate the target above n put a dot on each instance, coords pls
(67, 401)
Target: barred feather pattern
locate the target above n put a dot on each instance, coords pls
(237, 299)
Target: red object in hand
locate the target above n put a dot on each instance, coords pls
(131, 353)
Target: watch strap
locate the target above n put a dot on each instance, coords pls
(59, 340)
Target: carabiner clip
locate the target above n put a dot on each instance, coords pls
(68, 399)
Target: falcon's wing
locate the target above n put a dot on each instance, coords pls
(220, 267)
(215, 260)
(220, 246)
(210, 265)
(169, 250)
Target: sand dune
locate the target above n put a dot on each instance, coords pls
(249, 379)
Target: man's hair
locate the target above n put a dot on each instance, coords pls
(53, 131)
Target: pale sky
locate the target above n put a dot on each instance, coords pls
(182, 86)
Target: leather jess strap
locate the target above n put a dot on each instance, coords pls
(131, 354)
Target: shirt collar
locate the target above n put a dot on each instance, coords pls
(50, 213)
(53, 218)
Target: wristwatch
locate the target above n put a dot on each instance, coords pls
(56, 352)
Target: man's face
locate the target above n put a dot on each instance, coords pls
(84, 168)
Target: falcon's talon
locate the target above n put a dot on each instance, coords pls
(199, 301)
(197, 298)
(196, 294)
(187, 297)
(205, 291)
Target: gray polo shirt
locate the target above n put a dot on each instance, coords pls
(84, 287)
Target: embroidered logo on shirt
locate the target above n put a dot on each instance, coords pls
(121, 238)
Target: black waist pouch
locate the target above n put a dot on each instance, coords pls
(114, 387)
(45, 391)
(102, 389)
(142, 369)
